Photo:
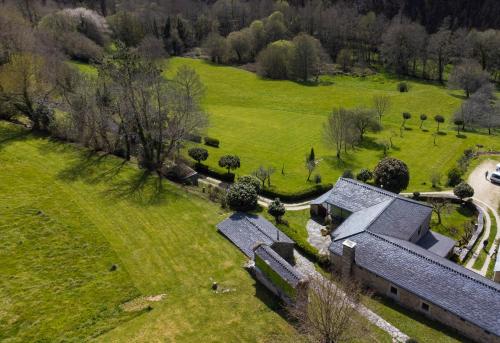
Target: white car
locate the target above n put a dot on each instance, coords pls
(495, 177)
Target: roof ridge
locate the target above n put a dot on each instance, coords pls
(383, 191)
(260, 230)
(298, 275)
(433, 261)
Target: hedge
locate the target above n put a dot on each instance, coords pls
(306, 194)
(212, 142)
(205, 170)
(194, 138)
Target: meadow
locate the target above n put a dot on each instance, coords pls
(66, 217)
(86, 238)
(276, 123)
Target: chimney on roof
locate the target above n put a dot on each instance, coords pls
(348, 257)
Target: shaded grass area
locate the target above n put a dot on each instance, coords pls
(413, 324)
(453, 222)
(67, 216)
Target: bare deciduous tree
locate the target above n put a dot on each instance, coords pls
(381, 104)
(325, 312)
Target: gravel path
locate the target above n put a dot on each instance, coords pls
(315, 238)
(307, 268)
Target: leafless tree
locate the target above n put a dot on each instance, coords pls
(325, 312)
(381, 104)
(336, 129)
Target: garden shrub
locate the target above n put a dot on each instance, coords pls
(348, 174)
(364, 175)
(214, 142)
(403, 87)
(242, 197)
(194, 138)
(454, 177)
(251, 180)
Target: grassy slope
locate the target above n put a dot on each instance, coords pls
(56, 282)
(277, 122)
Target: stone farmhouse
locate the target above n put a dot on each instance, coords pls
(385, 243)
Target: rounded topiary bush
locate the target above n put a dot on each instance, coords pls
(463, 190)
(250, 180)
(392, 174)
(242, 197)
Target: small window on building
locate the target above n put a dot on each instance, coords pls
(425, 307)
(394, 290)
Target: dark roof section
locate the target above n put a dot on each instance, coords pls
(247, 230)
(436, 243)
(430, 277)
(353, 195)
(288, 273)
(401, 219)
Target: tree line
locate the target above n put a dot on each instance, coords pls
(403, 37)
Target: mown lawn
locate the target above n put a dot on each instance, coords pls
(67, 216)
(275, 123)
(453, 221)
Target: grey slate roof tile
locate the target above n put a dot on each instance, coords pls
(436, 243)
(287, 272)
(247, 230)
(430, 277)
(401, 218)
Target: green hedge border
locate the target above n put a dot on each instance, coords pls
(306, 194)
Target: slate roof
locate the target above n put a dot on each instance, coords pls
(353, 195)
(359, 221)
(247, 230)
(288, 273)
(436, 243)
(432, 278)
(375, 209)
(401, 218)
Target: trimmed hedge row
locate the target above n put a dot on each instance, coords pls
(205, 170)
(306, 194)
(214, 142)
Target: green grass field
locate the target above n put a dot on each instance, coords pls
(453, 221)
(275, 123)
(67, 217)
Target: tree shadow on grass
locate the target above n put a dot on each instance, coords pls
(461, 136)
(442, 133)
(9, 135)
(143, 188)
(458, 96)
(92, 168)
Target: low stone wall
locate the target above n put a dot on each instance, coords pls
(462, 253)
